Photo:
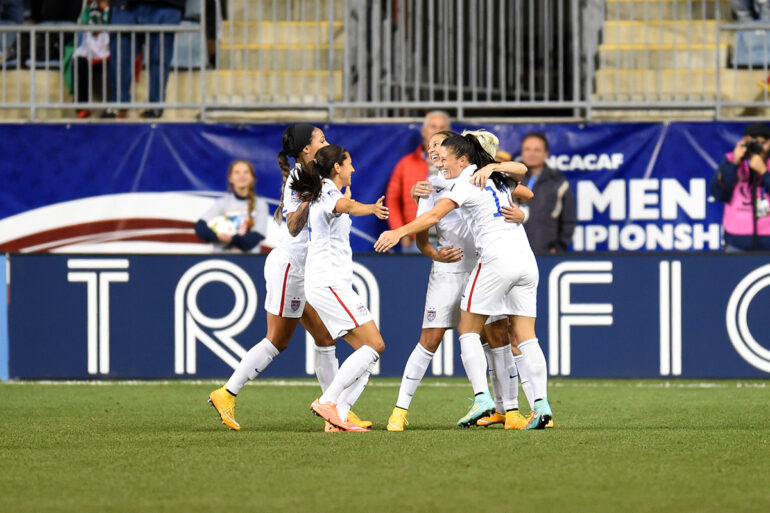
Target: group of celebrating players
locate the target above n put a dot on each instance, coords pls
(483, 282)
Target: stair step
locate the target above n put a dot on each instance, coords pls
(637, 56)
(239, 86)
(280, 57)
(661, 32)
(282, 32)
(666, 9)
(289, 10)
(669, 84)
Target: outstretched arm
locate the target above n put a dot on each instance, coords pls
(390, 238)
(513, 170)
(354, 208)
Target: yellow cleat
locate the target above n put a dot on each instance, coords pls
(397, 420)
(353, 419)
(550, 424)
(495, 418)
(224, 402)
(515, 420)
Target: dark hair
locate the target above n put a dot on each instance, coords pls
(757, 130)
(536, 135)
(468, 146)
(445, 133)
(293, 141)
(252, 194)
(309, 180)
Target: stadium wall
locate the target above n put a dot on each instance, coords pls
(131, 188)
(193, 316)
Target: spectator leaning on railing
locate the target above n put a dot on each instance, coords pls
(142, 12)
(411, 169)
(742, 183)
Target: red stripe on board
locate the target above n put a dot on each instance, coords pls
(91, 228)
(345, 307)
(283, 291)
(470, 296)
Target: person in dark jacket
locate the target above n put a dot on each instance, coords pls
(142, 12)
(550, 215)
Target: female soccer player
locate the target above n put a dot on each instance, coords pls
(505, 279)
(284, 278)
(238, 208)
(329, 278)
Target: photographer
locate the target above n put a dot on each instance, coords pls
(742, 183)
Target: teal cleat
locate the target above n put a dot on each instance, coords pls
(483, 405)
(542, 415)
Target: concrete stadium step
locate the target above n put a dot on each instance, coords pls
(638, 56)
(282, 32)
(236, 87)
(666, 9)
(669, 84)
(659, 32)
(288, 10)
(280, 57)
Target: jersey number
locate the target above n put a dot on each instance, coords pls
(497, 202)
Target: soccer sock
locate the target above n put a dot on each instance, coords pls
(326, 365)
(538, 376)
(350, 395)
(513, 378)
(415, 369)
(526, 385)
(493, 379)
(253, 363)
(474, 362)
(353, 368)
(501, 371)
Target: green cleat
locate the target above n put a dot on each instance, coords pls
(542, 415)
(483, 406)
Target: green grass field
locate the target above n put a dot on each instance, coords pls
(617, 446)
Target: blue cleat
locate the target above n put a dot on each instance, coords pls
(483, 406)
(542, 415)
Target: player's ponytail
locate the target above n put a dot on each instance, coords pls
(308, 182)
(469, 146)
(293, 141)
(488, 141)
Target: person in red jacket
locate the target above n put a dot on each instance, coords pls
(411, 169)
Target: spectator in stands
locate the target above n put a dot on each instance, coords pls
(742, 183)
(236, 221)
(551, 216)
(11, 13)
(142, 12)
(85, 66)
(411, 169)
(751, 10)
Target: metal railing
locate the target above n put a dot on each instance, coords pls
(356, 59)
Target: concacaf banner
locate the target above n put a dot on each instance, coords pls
(140, 188)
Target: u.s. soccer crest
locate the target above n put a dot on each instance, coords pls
(295, 304)
(431, 314)
(361, 309)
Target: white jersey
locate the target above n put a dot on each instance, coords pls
(293, 248)
(329, 257)
(452, 230)
(481, 210)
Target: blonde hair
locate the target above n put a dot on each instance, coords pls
(488, 141)
(252, 195)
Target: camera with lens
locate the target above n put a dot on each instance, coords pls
(753, 147)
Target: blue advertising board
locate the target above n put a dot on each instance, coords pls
(140, 188)
(185, 316)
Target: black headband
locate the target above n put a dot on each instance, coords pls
(301, 135)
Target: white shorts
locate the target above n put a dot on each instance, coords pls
(442, 300)
(503, 286)
(285, 295)
(340, 308)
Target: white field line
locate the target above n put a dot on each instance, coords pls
(430, 383)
